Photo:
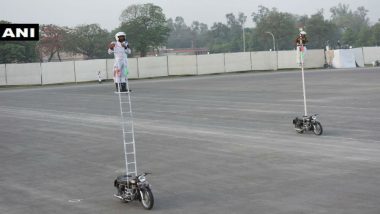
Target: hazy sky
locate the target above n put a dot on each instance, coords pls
(106, 12)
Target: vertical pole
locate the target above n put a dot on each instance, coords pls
(276, 60)
(41, 74)
(303, 77)
(167, 65)
(6, 74)
(196, 64)
(138, 68)
(250, 58)
(224, 62)
(75, 73)
(106, 69)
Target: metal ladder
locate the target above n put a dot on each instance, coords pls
(128, 131)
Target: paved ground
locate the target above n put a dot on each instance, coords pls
(215, 144)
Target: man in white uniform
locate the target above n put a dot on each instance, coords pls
(120, 49)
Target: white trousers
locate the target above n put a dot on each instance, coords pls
(301, 53)
(120, 67)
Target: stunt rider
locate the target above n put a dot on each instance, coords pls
(301, 41)
(120, 49)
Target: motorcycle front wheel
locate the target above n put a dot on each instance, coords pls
(317, 128)
(147, 199)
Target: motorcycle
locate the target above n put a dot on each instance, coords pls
(136, 188)
(308, 123)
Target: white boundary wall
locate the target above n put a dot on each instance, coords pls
(287, 59)
(109, 68)
(344, 58)
(133, 68)
(264, 60)
(2, 75)
(153, 67)
(359, 58)
(78, 71)
(238, 62)
(371, 54)
(87, 70)
(23, 74)
(210, 64)
(182, 65)
(57, 72)
(315, 58)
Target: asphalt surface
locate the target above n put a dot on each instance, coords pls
(215, 144)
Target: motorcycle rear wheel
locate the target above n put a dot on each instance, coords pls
(299, 130)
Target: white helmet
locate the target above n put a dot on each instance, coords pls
(119, 34)
(302, 33)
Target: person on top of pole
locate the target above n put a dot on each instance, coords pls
(120, 48)
(301, 42)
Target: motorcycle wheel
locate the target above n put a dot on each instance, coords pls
(317, 128)
(299, 130)
(147, 199)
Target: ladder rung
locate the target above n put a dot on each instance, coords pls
(125, 112)
(129, 143)
(131, 163)
(127, 132)
(130, 153)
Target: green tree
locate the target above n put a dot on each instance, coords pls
(343, 17)
(18, 52)
(180, 34)
(354, 25)
(201, 33)
(320, 31)
(219, 38)
(282, 25)
(349, 37)
(11, 53)
(145, 26)
(227, 37)
(364, 37)
(89, 40)
(375, 38)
